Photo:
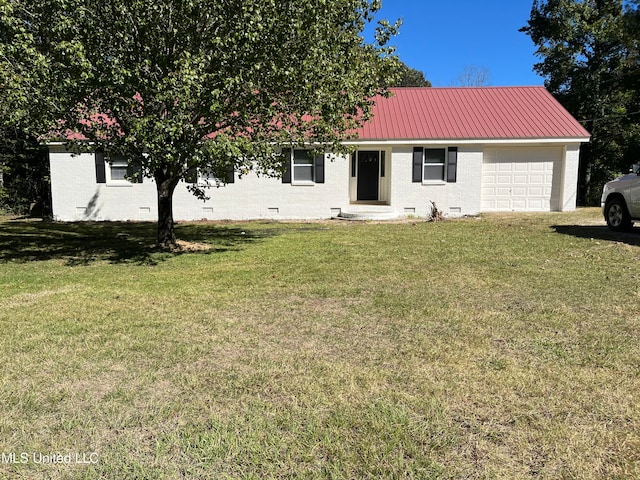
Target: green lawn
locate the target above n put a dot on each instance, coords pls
(506, 346)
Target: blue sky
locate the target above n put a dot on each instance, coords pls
(442, 37)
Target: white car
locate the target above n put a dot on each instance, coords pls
(621, 201)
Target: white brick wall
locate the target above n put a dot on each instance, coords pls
(570, 178)
(77, 196)
(453, 199)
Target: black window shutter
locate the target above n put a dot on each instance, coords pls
(286, 176)
(231, 177)
(354, 159)
(417, 164)
(383, 166)
(452, 165)
(319, 168)
(101, 175)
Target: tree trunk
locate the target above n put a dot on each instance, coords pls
(585, 184)
(166, 236)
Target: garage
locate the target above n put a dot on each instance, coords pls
(525, 179)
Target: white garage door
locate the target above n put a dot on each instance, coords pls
(520, 179)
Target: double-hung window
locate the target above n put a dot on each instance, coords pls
(304, 168)
(119, 169)
(210, 178)
(435, 164)
(116, 170)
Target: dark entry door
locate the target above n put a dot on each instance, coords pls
(368, 175)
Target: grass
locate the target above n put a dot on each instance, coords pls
(504, 347)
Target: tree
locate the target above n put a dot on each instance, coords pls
(24, 173)
(410, 77)
(25, 109)
(177, 86)
(473, 76)
(588, 61)
(631, 82)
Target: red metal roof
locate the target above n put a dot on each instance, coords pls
(470, 113)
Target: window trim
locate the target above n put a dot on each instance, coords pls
(442, 164)
(208, 180)
(118, 161)
(311, 164)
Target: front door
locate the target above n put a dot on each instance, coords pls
(368, 175)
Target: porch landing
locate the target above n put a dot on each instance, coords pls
(360, 211)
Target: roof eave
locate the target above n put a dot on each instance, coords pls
(466, 141)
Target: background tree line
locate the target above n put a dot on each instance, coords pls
(24, 173)
(589, 51)
(589, 58)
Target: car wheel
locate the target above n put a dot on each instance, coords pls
(617, 216)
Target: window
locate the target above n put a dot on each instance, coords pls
(118, 167)
(210, 178)
(116, 170)
(435, 164)
(304, 168)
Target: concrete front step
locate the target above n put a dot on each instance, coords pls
(368, 212)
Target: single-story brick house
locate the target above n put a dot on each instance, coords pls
(469, 150)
